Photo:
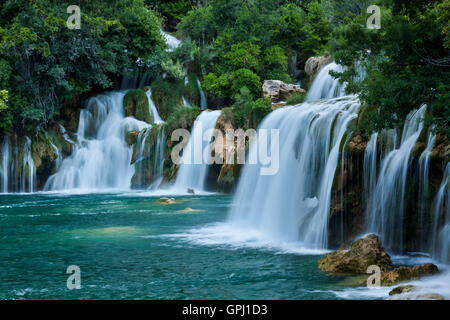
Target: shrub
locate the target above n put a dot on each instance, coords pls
(296, 98)
(245, 78)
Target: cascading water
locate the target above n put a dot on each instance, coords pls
(324, 85)
(5, 164)
(424, 171)
(193, 169)
(296, 207)
(441, 225)
(370, 168)
(101, 159)
(387, 204)
(171, 41)
(156, 117)
(18, 172)
(203, 103)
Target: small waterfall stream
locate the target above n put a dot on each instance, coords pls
(193, 170)
(441, 225)
(5, 164)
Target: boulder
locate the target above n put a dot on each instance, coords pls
(166, 201)
(401, 274)
(314, 64)
(403, 289)
(277, 90)
(190, 191)
(361, 254)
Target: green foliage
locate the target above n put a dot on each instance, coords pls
(166, 95)
(248, 113)
(245, 78)
(54, 66)
(181, 118)
(136, 105)
(275, 64)
(175, 8)
(192, 90)
(406, 63)
(296, 98)
(173, 70)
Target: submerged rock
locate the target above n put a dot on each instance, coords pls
(187, 210)
(277, 90)
(401, 274)
(403, 289)
(166, 201)
(362, 254)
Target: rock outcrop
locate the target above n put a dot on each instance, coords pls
(401, 274)
(136, 105)
(361, 254)
(277, 90)
(313, 64)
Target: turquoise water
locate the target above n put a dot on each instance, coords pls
(130, 247)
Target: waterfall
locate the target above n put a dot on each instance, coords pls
(101, 158)
(324, 85)
(193, 170)
(387, 206)
(441, 225)
(293, 205)
(18, 172)
(171, 41)
(28, 169)
(5, 164)
(370, 168)
(203, 102)
(156, 117)
(424, 170)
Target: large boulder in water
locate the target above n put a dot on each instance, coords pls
(314, 64)
(362, 254)
(277, 90)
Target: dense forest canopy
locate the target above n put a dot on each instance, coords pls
(232, 46)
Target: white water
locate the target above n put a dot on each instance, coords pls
(18, 172)
(193, 169)
(324, 85)
(370, 169)
(5, 164)
(424, 171)
(171, 41)
(101, 158)
(441, 225)
(203, 103)
(156, 117)
(387, 204)
(293, 205)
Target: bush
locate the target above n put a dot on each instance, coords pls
(296, 98)
(166, 95)
(136, 105)
(192, 90)
(245, 78)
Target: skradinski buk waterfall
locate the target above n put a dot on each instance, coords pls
(441, 224)
(101, 158)
(296, 206)
(193, 169)
(386, 207)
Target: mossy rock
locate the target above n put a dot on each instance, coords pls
(192, 90)
(166, 95)
(136, 105)
(131, 137)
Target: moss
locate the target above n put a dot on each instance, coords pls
(166, 95)
(136, 105)
(296, 98)
(192, 90)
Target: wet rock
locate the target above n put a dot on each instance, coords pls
(131, 137)
(362, 254)
(357, 145)
(277, 90)
(188, 210)
(166, 201)
(401, 274)
(403, 289)
(190, 191)
(313, 64)
(417, 296)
